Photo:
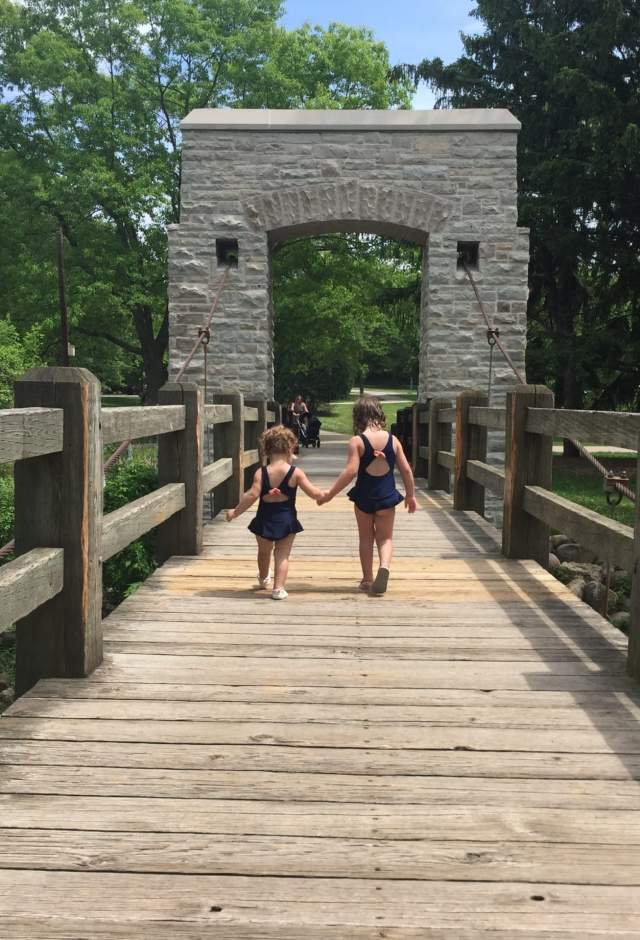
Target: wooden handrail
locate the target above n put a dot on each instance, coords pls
(28, 582)
(53, 591)
(613, 428)
(122, 424)
(123, 526)
(493, 419)
(447, 416)
(30, 432)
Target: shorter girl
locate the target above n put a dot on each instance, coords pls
(276, 522)
(372, 455)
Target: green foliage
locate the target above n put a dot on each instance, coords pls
(16, 356)
(569, 72)
(91, 98)
(128, 480)
(6, 508)
(346, 306)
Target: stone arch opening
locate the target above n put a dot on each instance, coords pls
(441, 178)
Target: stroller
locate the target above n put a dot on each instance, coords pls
(311, 432)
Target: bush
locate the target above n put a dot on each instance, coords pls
(123, 573)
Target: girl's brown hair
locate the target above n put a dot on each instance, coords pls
(278, 440)
(367, 410)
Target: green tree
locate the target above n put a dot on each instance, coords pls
(569, 71)
(91, 96)
(346, 306)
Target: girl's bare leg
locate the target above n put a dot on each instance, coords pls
(282, 552)
(366, 535)
(265, 549)
(384, 520)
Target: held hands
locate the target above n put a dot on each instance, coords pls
(324, 498)
(410, 504)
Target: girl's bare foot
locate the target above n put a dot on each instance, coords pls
(365, 585)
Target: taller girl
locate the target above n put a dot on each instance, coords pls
(372, 455)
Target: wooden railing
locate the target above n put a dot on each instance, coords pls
(55, 438)
(457, 463)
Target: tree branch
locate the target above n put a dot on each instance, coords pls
(109, 338)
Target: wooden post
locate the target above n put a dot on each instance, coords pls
(277, 412)
(58, 501)
(420, 439)
(439, 439)
(471, 444)
(528, 460)
(252, 434)
(228, 441)
(180, 460)
(633, 652)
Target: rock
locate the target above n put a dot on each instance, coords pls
(577, 586)
(554, 562)
(4, 682)
(568, 551)
(555, 541)
(7, 697)
(622, 620)
(594, 595)
(581, 569)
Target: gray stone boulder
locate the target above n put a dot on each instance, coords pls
(581, 569)
(568, 551)
(577, 586)
(556, 540)
(594, 595)
(622, 620)
(554, 562)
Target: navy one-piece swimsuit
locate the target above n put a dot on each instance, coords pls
(278, 519)
(372, 493)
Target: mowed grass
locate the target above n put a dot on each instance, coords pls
(575, 479)
(337, 416)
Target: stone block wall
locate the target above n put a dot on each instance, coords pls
(437, 178)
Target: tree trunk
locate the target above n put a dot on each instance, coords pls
(153, 350)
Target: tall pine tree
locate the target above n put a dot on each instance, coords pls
(570, 71)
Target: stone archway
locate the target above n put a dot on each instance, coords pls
(441, 178)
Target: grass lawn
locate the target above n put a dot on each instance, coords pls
(337, 415)
(577, 480)
(120, 401)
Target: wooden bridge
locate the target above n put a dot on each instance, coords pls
(458, 759)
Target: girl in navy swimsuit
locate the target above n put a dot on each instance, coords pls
(276, 522)
(372, 456)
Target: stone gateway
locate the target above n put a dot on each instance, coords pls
(443, 179)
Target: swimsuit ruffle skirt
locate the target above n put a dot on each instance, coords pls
(276, 520)
(373, 493)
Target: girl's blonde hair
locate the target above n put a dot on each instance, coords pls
(366, 411)
(278, 440)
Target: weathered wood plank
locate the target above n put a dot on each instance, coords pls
(218, 414)
(493, 419)
(250, 413)
(321, 820)
(447, 458)
(229, 442)
(250, 458)
(216, 473)
(439, 440)
(30, 432)
(447, 415)
(325, 734)
(610, 539)
(633, 659)
(124, 424)
(286, 856)
(492, 478)
(618, 429)
(367, 761)
(125, 525)
(284, 786)
(28, 582)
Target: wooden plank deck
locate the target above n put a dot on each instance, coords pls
(458, 759)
